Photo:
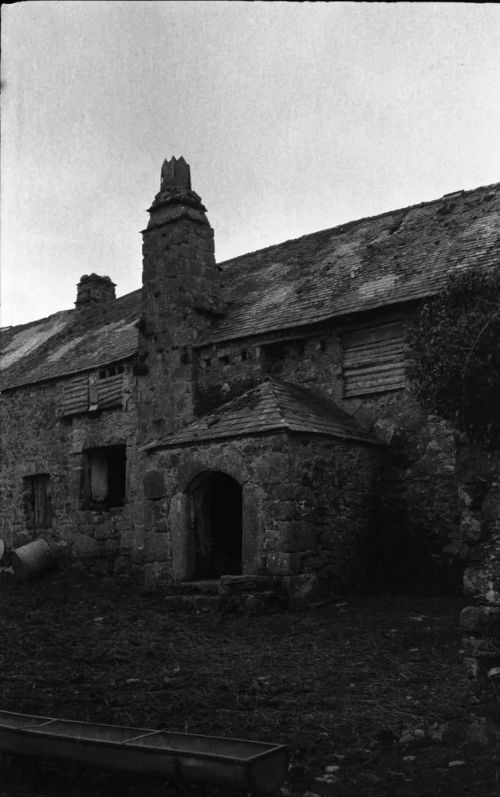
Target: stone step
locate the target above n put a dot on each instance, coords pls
(244, 584)
(229, 593)
(205, 587)
(193, 603)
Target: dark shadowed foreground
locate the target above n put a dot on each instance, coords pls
(369, 695)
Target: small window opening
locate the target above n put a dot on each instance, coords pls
(105, 477)
(273, 357)
(111, 370)
(322, 345)
(275, 351)
(244, 355)
(224, 359)
(208, 362)
(301, 348)
(37, 509)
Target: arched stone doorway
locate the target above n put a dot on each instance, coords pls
(216, 502)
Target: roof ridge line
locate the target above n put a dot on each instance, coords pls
(24, 324)
(405, 209)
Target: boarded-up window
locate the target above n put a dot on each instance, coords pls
(37, 511)
(105, 477)
(86, 393)
(373, 359)
(76, 396)
(110, 391)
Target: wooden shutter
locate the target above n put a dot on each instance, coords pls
(86, 392)
(110, 391)
(40, 484)
(76, 396)
(374, 359)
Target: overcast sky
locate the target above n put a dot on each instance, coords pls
(294, 117)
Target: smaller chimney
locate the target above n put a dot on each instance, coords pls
(93, 289)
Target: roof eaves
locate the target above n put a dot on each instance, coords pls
(330, 316)
(70, 372)
(174, 441)
(293, 428)
(345, 437)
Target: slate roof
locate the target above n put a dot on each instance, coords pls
(385, 260)
(395, 257)
(271, 406)
(69, 342)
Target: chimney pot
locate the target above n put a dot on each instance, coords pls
(175, 172)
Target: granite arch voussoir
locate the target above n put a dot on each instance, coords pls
(227, 461)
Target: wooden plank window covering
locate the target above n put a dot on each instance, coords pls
(101, 394)
(76, 396)
(373, 359)
(110, 391)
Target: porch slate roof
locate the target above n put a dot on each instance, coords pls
(271, 406)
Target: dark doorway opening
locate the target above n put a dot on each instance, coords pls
(217, 507)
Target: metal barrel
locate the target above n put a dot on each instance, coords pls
(32, 560)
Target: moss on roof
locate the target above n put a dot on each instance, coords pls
(396, 257)
(69, 342)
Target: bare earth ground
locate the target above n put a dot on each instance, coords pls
(369, 695)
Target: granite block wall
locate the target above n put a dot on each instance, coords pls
(307, 507)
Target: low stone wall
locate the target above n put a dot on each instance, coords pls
(480, 622)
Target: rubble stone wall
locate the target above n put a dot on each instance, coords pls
(427, 522)
(37, 439)
(227, 369)
(422, 544)
(480, 520)
(421, 538)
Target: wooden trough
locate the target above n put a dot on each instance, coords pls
(239, 764)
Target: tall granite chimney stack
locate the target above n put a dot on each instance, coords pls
(181, 297)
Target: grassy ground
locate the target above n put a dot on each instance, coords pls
(369, 695)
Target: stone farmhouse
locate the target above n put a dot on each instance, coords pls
(249, 418)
